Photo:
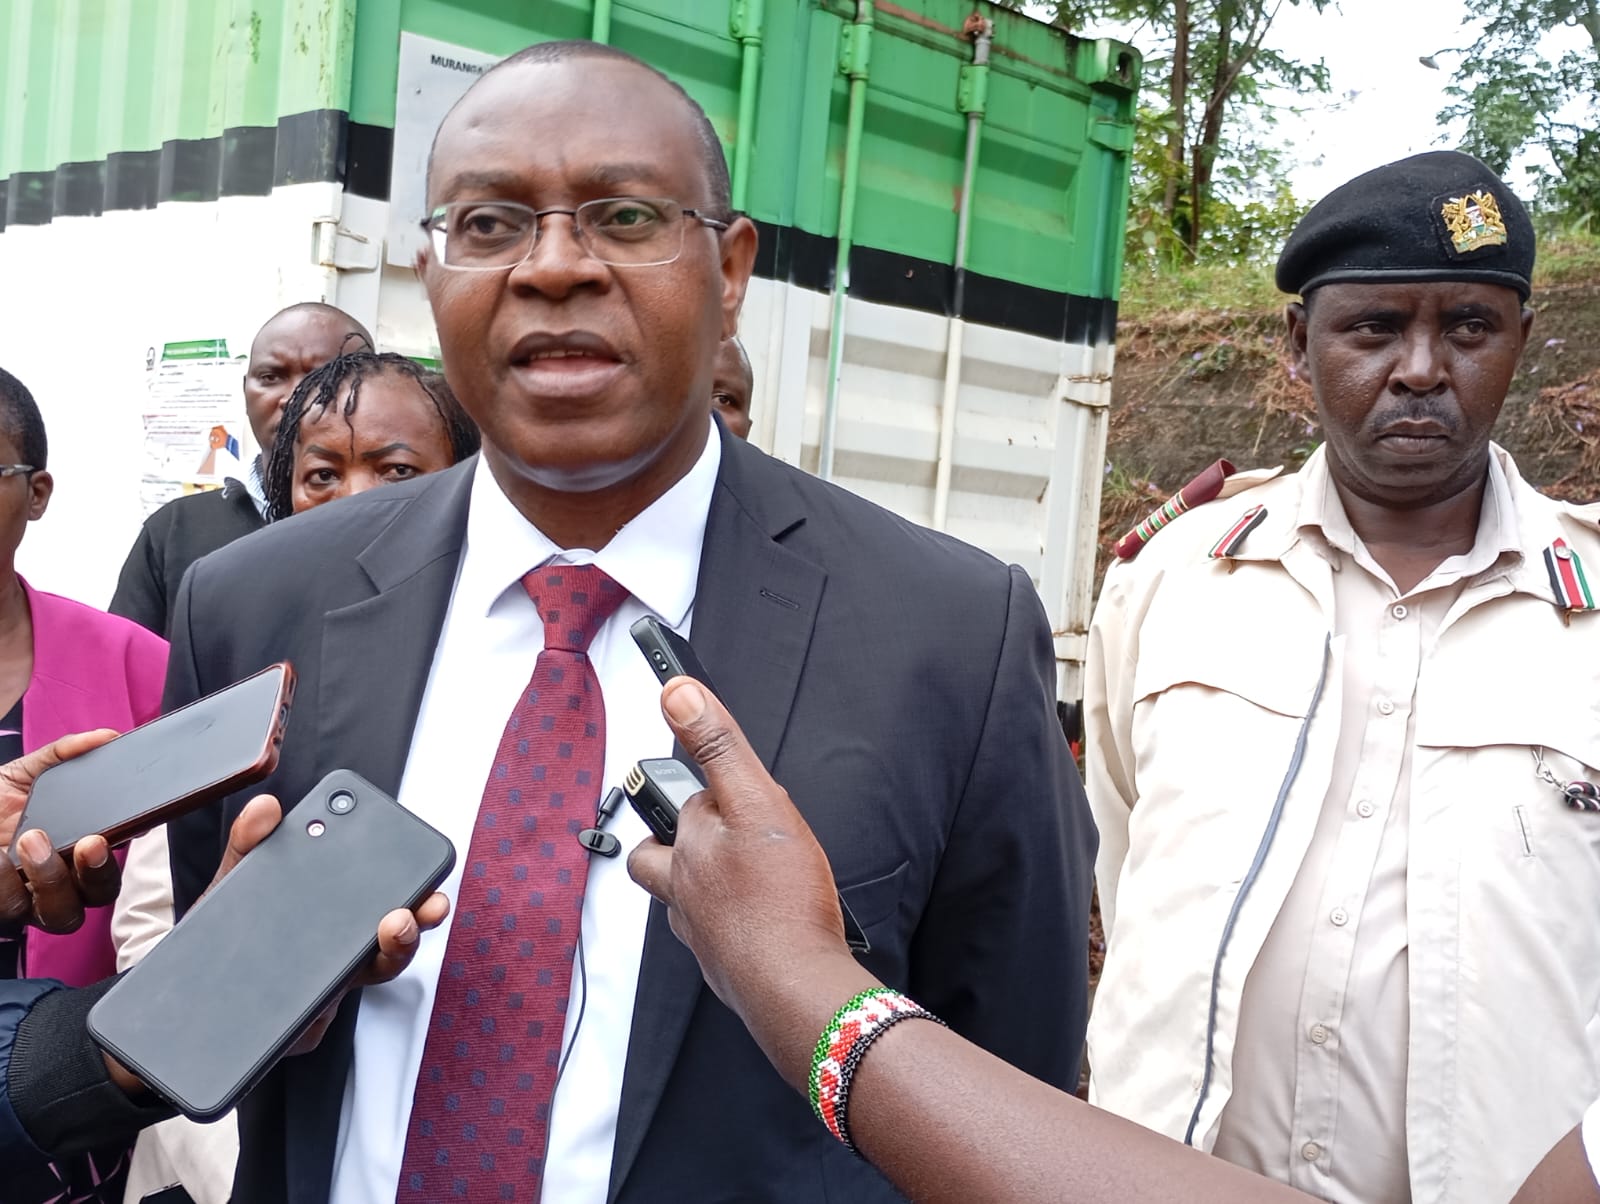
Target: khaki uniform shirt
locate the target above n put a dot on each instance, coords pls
(1394, 892)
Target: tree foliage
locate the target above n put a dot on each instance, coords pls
(1514, 101)
(1208, 181)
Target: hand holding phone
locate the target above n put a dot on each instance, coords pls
(165, 768)
(254, 968)
(51, 892)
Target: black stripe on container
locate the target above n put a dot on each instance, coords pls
(888, 278)
(132, 180)
(191, 170)
(324, 146)
(30, 197)
(369, 152)
(247, 156)
(310, 148)
(79, 189)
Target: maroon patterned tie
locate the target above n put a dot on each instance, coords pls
(480, 1117)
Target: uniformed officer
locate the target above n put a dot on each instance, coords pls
(1342, 729)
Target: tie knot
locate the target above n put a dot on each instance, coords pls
(574, 600)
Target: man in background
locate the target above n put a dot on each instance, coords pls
(731, 387)
(293, 342)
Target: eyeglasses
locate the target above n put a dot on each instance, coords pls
(627, 231)
(17, 470)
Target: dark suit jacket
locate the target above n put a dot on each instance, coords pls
(899, 683)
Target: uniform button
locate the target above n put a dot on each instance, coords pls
(1311, 1151)
(1385, 707)
(1365, 808)
(1398, 610)
(1340, 917)
(1319, 1034)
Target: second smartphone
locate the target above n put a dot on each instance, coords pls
(214, 1006)
(160, 770)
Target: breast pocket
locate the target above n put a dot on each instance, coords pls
(1477, 730)
(1529, 863)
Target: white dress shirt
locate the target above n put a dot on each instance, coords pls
(491, 637)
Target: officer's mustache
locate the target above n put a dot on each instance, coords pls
(1431, 408)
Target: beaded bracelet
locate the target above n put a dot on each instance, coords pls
(853, 1029)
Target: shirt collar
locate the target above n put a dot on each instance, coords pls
(1322, 514)
(656, 557)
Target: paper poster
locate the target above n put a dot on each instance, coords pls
(194, 420)
(433, 75)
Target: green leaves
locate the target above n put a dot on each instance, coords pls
(1517, 103)
(1208, 179)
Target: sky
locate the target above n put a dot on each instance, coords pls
(1383, 103)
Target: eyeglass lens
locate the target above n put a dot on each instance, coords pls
(629, 231)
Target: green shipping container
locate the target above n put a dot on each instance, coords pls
(174, 170)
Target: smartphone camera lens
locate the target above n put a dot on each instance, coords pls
(341, 802)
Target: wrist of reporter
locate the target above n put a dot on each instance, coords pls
(787, 1004)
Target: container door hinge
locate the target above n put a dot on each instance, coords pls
(855, 50)
(343, 250)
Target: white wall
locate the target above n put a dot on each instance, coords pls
(81, 300)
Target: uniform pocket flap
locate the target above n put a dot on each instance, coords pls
(1199, 638)
(1537, 693)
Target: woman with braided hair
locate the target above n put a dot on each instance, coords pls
(363, 419)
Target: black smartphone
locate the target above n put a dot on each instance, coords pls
(214, 1006)
(164, 768)
(668, 652)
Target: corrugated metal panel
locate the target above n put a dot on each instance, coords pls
(121, 104)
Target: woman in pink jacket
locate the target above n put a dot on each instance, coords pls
(64, 667)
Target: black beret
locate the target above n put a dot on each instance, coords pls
(1441, 215)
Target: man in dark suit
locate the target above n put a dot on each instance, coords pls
(583, 267)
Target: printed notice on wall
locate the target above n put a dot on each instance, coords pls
(433, 75)
(194, 420)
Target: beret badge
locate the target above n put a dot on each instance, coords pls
(1473, 221)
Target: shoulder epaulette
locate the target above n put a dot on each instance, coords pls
(1197, 492)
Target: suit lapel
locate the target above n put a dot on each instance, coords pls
(755, 606)
(411, 565)
(364, 723)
